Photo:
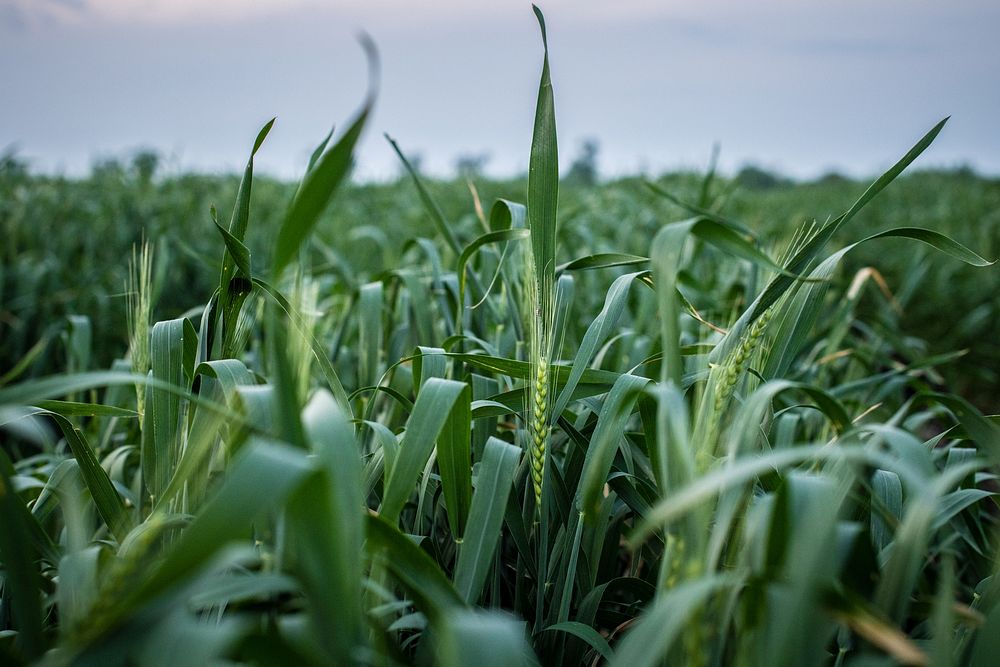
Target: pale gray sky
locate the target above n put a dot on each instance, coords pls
(799, 86)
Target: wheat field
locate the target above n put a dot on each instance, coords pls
(626, 425)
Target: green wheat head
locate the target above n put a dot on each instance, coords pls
(540, 315)
(539, 428)
(138, 311)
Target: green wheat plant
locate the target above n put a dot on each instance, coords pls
(543, 197)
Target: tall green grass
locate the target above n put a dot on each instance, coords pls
(500, 450)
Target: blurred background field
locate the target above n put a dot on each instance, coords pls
(67, 243)
(499, 394)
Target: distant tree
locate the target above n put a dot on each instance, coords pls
(471, 165)
(145, 163)
(13, 167)
(966, 172)
(753, 177)
(583, 169)
(107, 169)
(832, 178)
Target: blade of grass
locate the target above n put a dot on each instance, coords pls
(489, 502)
(431, 412)
(327, 531)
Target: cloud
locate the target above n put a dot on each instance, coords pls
(12, 18)
(26, 14)
(189, 11)
(23, 15)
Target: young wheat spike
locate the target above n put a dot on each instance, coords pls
(538, 426)
(539, 299)
(737, 361)
(727, 376)
(138, 311)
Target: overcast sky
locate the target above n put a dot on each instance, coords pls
(798, 86)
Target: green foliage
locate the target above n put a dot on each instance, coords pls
(419, 439)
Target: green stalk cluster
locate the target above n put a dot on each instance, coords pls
(681, 564)
(133, 557)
